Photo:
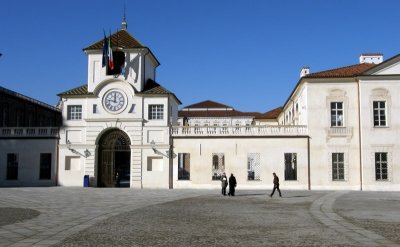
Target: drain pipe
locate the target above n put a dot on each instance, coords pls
(308, 165)
(360, 133)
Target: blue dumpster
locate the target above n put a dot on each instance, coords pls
(86, 181)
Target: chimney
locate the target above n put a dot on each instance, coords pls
(373, 58)
(304, 71)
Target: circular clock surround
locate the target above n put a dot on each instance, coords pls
(114, 101)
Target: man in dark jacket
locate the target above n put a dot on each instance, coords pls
(232, 185)
(224, 183)
(276, 185)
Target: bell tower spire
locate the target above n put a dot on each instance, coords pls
(124, 25)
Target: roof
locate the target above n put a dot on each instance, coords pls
(81, 91)
(213, 109)
(121, 38)
(348, 71)
(152, 87)
(216, 113)
(29, 99)
(208, 104)
(271, 114)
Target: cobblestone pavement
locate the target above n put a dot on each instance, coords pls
(60, 216)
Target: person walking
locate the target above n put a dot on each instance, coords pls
(224, 183)
(276, 185)
(232, 185)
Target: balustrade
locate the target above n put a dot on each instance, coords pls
(29, 132)
(272, 130)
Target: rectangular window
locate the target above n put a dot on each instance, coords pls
(74, 112)
(94, 108)
(253, 166)
(45, 166)
(337, 166)
(12, 166)
(218, 165)
(379, 113)
(381, 166)
(156, 112)
(183, 166)
(336, 114)
(290, 166)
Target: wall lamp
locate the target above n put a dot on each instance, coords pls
(168, 153)
(85, 154)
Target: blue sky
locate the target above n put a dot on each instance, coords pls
(243, 53)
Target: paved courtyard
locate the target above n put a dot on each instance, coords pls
(59, 216)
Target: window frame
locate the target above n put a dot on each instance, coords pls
(289, 175)
(380, 162)
(73, 112)
(217, 166)
(338, 164)
(336, 113)
(376, 112)
(156, 112)
(183, 166)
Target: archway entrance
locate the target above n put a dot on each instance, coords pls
(114, 160)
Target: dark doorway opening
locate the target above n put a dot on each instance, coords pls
(114, 160)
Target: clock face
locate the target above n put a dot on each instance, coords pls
(114, 101)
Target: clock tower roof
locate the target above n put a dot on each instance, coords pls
(121, 38)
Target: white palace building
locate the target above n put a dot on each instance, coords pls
(339, 130)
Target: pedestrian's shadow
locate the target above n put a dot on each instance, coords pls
(296, 196)
(266, 194)
(256, 194)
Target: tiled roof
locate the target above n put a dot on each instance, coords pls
(121, 38)
(208, 104)
(348, 71)
(81, 90)
(191, 112)
(229, 113)
(271, 114)
(153, 87)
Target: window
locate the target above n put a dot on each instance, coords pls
(156, 112)
(337, 166)
(183, 166)
(381, 166)
(253, 166)
(379, 113)
(290, 166)
(74, 112)
(12, 166)
(336, 114)
(45, 166)
(218, 165)
(94, 108)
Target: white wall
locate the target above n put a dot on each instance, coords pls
(28, 151)
(271, 152)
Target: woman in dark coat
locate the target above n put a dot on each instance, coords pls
(232, 185)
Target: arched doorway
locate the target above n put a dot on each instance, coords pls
(114, 156)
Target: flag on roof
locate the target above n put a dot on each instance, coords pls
(110, 54)
(105, 47)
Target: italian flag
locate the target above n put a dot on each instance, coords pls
(110, 54)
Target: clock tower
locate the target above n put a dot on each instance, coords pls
(116, 126)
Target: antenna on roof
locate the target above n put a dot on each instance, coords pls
(124, 25)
